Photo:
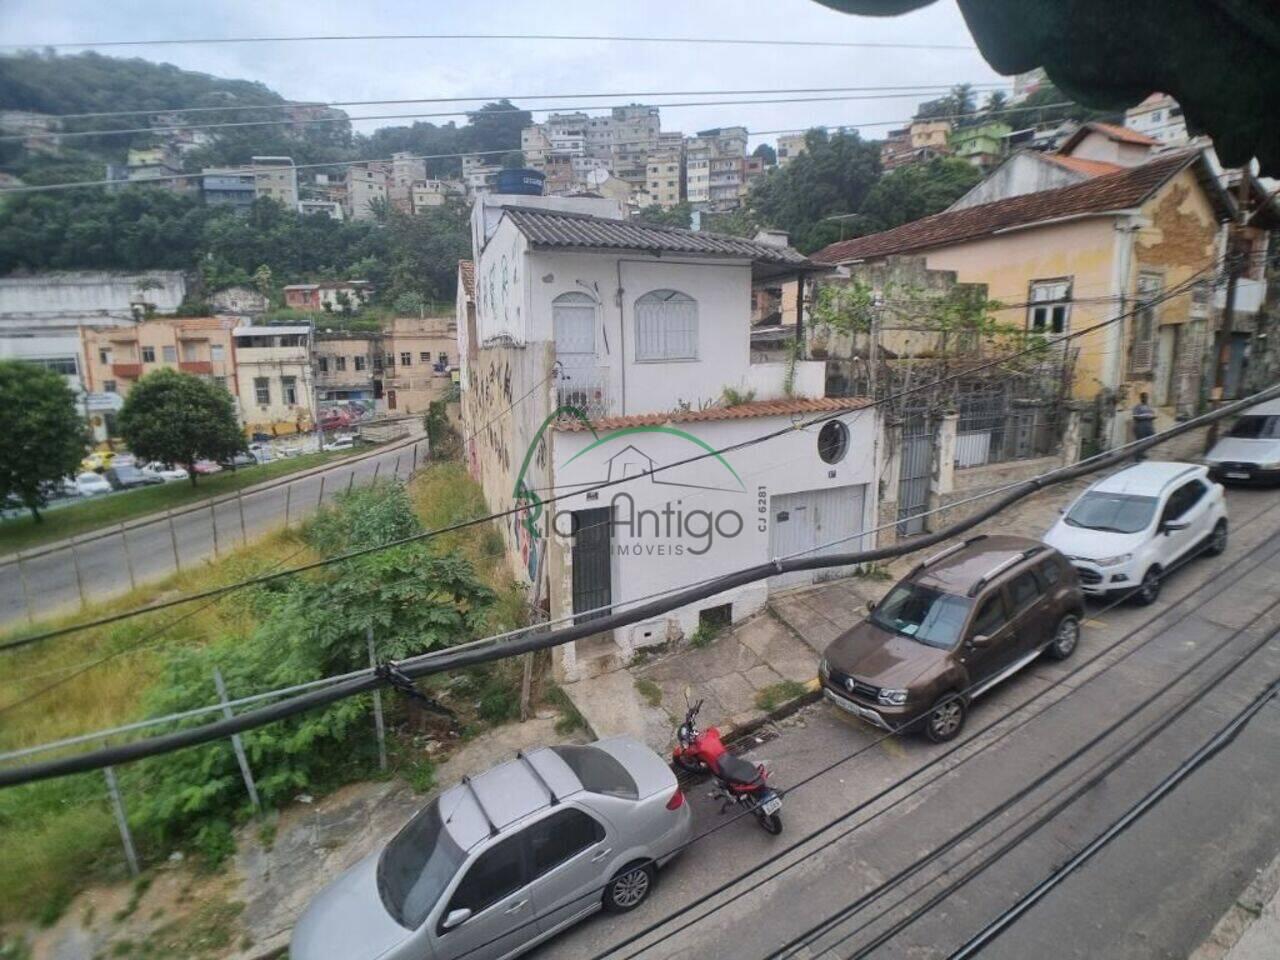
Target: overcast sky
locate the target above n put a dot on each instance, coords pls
(367, 70)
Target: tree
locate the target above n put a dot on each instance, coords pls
(997, 101)
(674, 216)
(44, 434)
(514, 160)
(177, 418)
(262, 280)
(767, 154)
(961, 99)
(914, 191)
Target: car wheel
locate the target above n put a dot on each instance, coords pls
(1149, 591)
(945, 720)
(1218, 539)
(629, 888)
(1065, 638)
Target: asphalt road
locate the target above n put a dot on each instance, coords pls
(57, 579)
(1156, 891)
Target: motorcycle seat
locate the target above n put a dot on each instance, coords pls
(736, 770)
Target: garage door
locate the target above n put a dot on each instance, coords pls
(804, 522)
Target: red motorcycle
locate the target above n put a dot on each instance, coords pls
(740, 781)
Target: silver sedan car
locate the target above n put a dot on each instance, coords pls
(502, 861)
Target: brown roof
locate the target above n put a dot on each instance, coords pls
(1111, 132)
(467, 275)
(743, 411)
(1122, 190)
(1090, 168)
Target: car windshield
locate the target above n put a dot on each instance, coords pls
(416, 866)
(1113, 512)
(922, 613)
(1257, 428)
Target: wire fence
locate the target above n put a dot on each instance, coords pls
(62, 578)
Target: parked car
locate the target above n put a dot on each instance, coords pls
(164, 471)
(1127, 530)
(207, 466)
(1250, 452)
(960, 622)
(240, 460)
(507, 859)
(340, 443)
(97, 461)
(128, 477)
(89, 484)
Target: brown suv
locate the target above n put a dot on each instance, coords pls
(955, 626)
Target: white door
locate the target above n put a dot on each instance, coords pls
(815, 523)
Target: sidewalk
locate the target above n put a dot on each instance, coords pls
(1250, 930)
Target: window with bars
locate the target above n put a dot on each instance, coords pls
(1049, 306)
(1145, 321)
(666, 326)
(262, 390)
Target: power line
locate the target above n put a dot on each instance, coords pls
(294, 104)
(173, 178)
(885, 791)
(1177, 290)
(809, 936)
(444, 661)
(472, 114)
(1220, 740)
(540, 37)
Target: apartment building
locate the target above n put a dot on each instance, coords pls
(664, 180)
(424, 194)
(406, 170)
(116, 357)
(348, 367)
(331, 296)
(366, 190)
(1159, 117)
(714, 171)
(276, 178)
(274, 378)
(228, 187)
(479, 174)
(324, 208)
(790, 146)
(419, 356)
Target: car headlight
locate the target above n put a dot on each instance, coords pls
(824, 668)
(892, 698)
(1113, 561)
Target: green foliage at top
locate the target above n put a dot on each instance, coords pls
(177, 418)
(916, 190)
(44, 433)
(674, 216)
(766, 153)
(1035, 109)
(414, 598)
(833, 175)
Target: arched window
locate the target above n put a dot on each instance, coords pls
(666, 326)
(573, 317)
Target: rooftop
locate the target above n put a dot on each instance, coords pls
(553, 229)
(1146, 478)
(1111, 132)
(742, 411)
(1090, 168)
(1109, 193)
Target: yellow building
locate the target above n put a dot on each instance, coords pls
(419, 355)
(1078, 257)
(115, 357)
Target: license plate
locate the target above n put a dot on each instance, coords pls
(1236, 475)
(771, 806)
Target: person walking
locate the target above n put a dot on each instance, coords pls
(1144, 422)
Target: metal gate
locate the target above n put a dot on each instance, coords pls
(915, 471)
(815, 523)
(592, 566)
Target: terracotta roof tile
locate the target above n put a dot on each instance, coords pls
(1124, 189)
(743, 411)
(1123, 134)
(467, 273)
(1090, 168)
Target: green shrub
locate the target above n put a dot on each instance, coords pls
(772, 697)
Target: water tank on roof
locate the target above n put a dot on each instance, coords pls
(528, 182)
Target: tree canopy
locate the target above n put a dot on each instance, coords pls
(178, 418)
(44, 433)
(914, 191)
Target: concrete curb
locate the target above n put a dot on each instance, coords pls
(1227, 940)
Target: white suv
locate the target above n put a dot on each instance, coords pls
(1130, 528)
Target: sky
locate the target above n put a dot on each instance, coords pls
(524, 69)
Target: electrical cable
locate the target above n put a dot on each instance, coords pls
(1177, 290)
(555, 37)
(416, 668)
(1079, 668)
(1218, 742)
(313, 104)
(334, 164)
(829, 923)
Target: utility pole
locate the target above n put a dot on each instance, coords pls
(1235, 266)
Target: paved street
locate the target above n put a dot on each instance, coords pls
(1155, 892)
(56, 579)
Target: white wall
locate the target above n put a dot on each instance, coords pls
(501, 298)
(69, 297)
(723, 294)
(1024, 172)
(787, 464)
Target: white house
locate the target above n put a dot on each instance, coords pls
(602, 350)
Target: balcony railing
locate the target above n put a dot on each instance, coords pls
(585, 389)
(195, 366)
(128, 371)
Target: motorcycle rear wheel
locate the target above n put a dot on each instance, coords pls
(772, 823)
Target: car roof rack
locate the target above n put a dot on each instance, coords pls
(1002, 566)
(944, 552)
(493, 828)
(539, 777)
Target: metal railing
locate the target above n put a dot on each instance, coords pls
(586, 389)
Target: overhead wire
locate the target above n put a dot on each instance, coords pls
(1176, 290)
(424, 665)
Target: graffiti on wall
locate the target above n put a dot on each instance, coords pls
(528, 528)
